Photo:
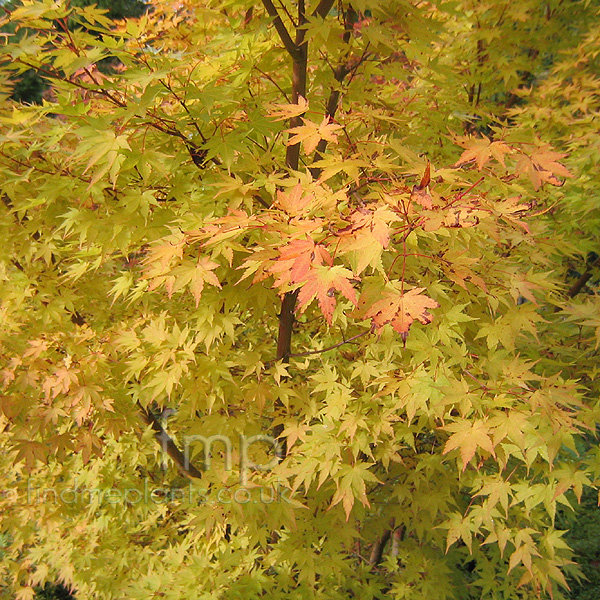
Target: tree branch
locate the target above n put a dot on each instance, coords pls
(292, 158)
(339, 74)
(580, 283)
(284, 35)
(168, 444)
(379, 547)
(286, 322)
(299, 83)
(323, 8)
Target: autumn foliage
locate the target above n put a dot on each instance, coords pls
(365, 230)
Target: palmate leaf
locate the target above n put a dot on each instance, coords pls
(467, 437)
(322, 282)
(365, 239)
(282, 112)
(478, 423)
(296, 259)
(195, 276)
(401, 309)
(351, 485)
(310, 134)
(542, 166)
(294, 202)
(481, 150)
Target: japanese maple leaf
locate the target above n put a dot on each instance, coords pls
(367, 237)
(295, 261)
(294, 202)
(401, 309)
(310, 134)
(542, 166)
(322, 282)
(481, 150)
(160, 256)
(235, 223)
(422, 197)
(282, 112)
(196, 276)
(467, 437)
(376, 223)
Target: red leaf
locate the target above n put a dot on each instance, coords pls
(426, 177)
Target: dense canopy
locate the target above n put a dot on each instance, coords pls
(299, 299)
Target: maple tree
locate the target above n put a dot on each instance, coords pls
(347, 227)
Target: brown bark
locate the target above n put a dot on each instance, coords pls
(587, 275)
(286, 323)
(379, 547)
(168, 444)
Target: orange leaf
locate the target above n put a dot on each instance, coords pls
(426, 177)
(542, 166)
(322, 282)
(296, 259)
(159, 257)
(422, 197)
(293, 202)
(367, 237)
(282, 112)
(310, 134)
(481, 150)
(400, 310)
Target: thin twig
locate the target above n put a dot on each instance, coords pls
(309, 352)
(269, 78)
(463, 194)
(288, 13)
(184, 106)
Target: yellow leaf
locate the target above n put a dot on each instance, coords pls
(25, 593)
(281, 112)
(310, 134)
(467, 437)
(481, 150)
